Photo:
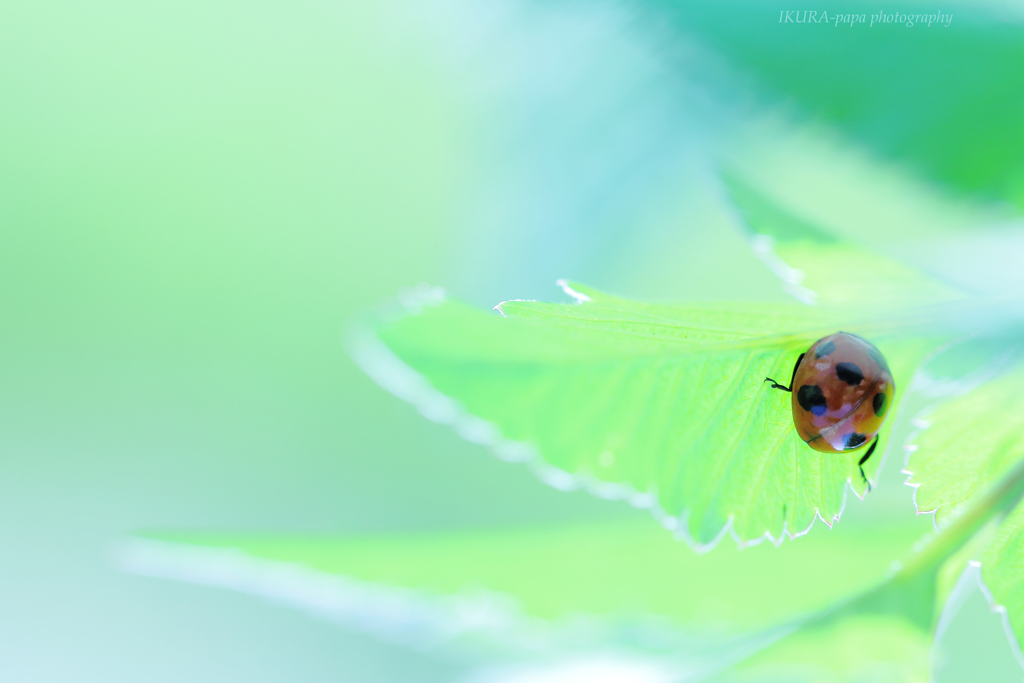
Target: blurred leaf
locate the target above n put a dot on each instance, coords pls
(966, 445)
(819, 267)
(1001, 564)
(881, 649)
(613, 568)
(538, 592)
(941, 99)
(885, 633)
(664, 406)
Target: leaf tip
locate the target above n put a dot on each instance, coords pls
(567, 287)
(413, 299)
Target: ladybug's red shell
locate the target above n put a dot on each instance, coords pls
(842, 390)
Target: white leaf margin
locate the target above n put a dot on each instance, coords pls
(405, 616)
(455, 623)
(969, 580)
(763, 247)
(942, 391)
(464, 623)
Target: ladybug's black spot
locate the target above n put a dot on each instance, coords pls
(849, 373)
(854, 440)
(879, 404)
(811, 399)
(824, 349)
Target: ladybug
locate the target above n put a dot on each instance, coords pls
(842, 389)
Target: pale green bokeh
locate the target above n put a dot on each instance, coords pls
(196, 197)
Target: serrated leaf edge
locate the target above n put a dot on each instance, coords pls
(942, 391)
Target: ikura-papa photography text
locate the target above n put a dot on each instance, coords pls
(837, 19)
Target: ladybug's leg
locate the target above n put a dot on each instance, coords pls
(776, 385)
(860, 464)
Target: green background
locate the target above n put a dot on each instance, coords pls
(194, 197)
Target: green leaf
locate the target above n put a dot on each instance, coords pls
(664, 406)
